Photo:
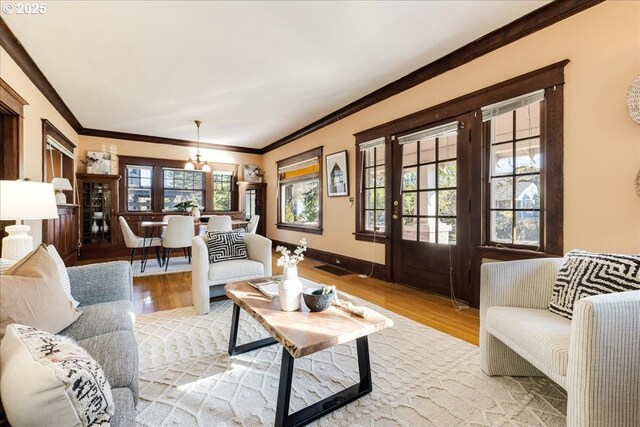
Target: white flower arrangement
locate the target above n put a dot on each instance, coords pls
(289, 260)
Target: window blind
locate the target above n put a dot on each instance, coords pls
(499, 108)
(431, 133)
(371, 144)
(51, 142)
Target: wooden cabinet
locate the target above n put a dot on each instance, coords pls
(253, 201)
(63, 233)
(98, 205)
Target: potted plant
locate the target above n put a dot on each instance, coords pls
(185, 206)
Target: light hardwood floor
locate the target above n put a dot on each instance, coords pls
(164, 292)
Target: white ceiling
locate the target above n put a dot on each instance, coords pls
(253, 72)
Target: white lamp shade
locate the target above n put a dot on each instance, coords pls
(61, 184)
(20, 200)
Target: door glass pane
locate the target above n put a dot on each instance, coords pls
(447, 147)
(502, 159)
(369, 199)
(447, 174)
(528, 156)
(380, 221)
(409, 205)
(409, 178)
(447, 202)
(502, 193)
(409, 229)
(379, 198)
(528, 192)
(527, 228)
(428, 203)
(447, 230)
(410, 154)
(428, 151)
(503, 127)
(428, 230)
(368, 220)
(370, 178)
(379, 176)
(502, 226)
(427, 177)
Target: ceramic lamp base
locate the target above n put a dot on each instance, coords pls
(18, 243)
(61, 198)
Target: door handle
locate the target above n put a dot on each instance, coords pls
(394, 216)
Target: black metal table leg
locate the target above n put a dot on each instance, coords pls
(325, 406)
(233, 336)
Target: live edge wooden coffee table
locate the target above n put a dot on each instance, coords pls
(302, 333)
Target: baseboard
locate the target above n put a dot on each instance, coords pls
(355, 265)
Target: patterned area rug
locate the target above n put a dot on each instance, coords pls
(421, 377)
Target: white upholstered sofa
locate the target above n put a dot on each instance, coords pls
(208, 280)
(595, 356)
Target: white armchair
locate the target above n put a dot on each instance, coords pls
(208, 280)
(595, 356)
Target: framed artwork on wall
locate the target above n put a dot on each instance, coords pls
(337, 174)
(252, 173)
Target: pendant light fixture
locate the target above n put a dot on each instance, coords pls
(197, 164)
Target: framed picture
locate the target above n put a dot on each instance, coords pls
(337, 174)
(252, 173)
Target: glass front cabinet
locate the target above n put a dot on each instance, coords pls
(98, 198)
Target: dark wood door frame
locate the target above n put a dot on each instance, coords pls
(12, 117)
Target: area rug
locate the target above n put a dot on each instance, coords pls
(178, 264)
(421, 377)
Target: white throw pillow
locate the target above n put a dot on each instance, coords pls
(46, 379)
(62, 272)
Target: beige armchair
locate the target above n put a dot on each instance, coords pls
(208, 280)
(595, 356)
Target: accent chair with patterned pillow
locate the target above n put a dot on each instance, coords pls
(223, 257)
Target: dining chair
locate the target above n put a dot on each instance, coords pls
(219, 223)
(165, 220)
(133, 241)
(252, 227)
(180, 232)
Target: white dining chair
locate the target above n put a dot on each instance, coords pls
(165, 219)
(219, 223)
(180, 232)
(252, 227)
(133, 241)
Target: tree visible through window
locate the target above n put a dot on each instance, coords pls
(181, 186)
(222, 182)
(299, 192)
(139, 188)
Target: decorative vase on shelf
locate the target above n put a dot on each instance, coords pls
(105, 226)
(290, 289)
(94, 227)
(89, 169)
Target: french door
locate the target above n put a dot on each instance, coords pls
(430, 206)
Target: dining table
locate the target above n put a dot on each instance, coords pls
(149, 233)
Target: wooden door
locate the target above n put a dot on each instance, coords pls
(430, 207)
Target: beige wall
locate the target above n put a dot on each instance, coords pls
(39, 108)
(602, 144)
(161, 151)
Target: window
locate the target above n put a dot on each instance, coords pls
(222, 187)
(515, 192)
(373, 185)
(139, 181)
(299, 192)
(429, 184)
(181, 186)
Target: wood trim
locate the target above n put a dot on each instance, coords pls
(162, 140)
(11, 99)
(537, 20)
(16, 50)
(49, 129)
(545, 77)
(355, 265)
(157, 187)
(68, 169)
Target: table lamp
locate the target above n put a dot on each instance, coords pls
(61, 185)
(24, 200)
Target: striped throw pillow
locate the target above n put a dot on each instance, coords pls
(226, 246)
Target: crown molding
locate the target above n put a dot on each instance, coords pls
(162, 140)
(539, 19)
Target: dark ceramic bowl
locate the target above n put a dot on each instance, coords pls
(315, 300)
